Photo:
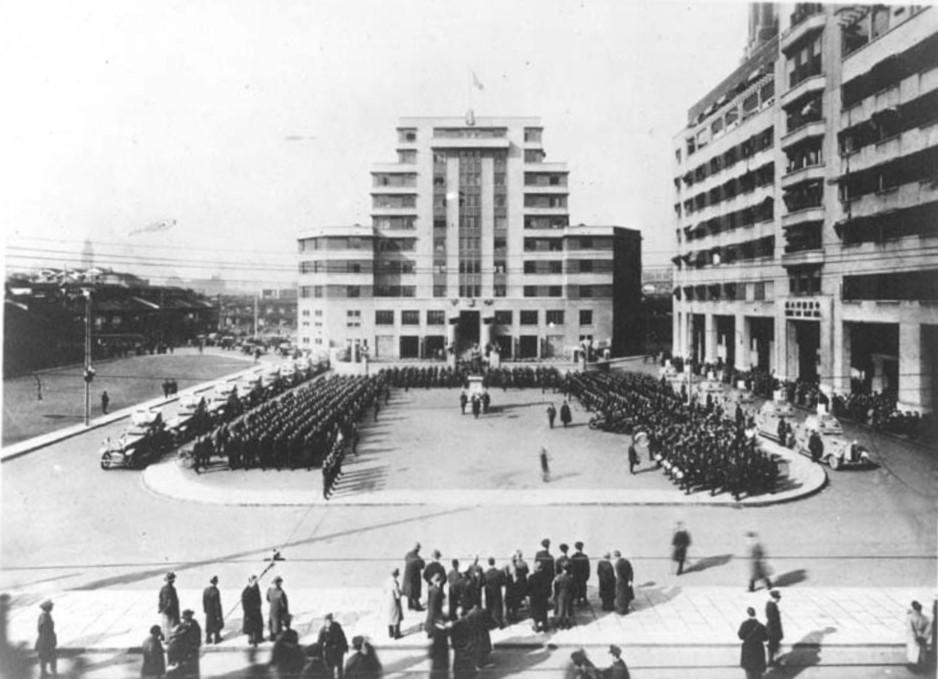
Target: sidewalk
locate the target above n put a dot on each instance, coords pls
(859, 624)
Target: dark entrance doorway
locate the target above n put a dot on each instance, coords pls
(410, 346)
(527, 346)
(467, 330)
(435, 345)
(808, 337)
(504, 345)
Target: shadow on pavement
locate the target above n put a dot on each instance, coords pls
(708, 562)
(805, 653)
(650, 597)
(364, 480)
(790, 578)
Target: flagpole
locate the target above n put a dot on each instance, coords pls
(469, 87)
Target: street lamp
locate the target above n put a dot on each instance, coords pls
(89, 371)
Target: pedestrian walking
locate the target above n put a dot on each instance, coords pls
(46, 641)
(624, 578)
(253, 625)
(154, 660)
(105, 400)
(606, 575)
(413, 565)
(551, 415)
(214, 617)
(752, 652)
(679, 544)
(279, 608)
(363, 663)
(758, 569)
(463, 400)
(184, 643)
(618, 668)
(545, 465)
(916, 635)
(334, 646)
(395, 611)
(565, 416)
(773, 625)
(633, 458)
(168, 605)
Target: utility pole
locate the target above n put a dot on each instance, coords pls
(256, 299)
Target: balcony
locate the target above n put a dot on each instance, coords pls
(803, 257)
(814, 83)
(393, 211)
(803, 174)
(804, 23)
(816, 128)
(393, 190)
(812, 213)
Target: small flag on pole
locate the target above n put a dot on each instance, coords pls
(476, 82)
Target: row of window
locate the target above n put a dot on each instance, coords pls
(888, 123)
(744, 183)
(919, 166)
(751, 292)
(501, 317)
(921, 220)
(757, 100)
(724, 161)
(872, 23)
(760, 248)
(890, 71)
(764, 211)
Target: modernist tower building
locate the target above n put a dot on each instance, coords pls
(807, 203)
(470, 242)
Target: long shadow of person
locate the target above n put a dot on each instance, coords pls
(804, 653)
(790, 578)
(708, 562)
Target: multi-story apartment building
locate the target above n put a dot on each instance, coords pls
(470, 243)
(808, 203)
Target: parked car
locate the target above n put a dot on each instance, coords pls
(839, 451)
(144, 440)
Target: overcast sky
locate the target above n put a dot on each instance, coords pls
(249, 120)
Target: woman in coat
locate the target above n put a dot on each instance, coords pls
(46, 641)
(253, 625)
(395, 610)
(916, 634)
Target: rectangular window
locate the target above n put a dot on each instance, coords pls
(503, 317)
(554, 291)
(353, 291)
(586, 317)
(317, 291)
(436, 317)
(384, 317)
(586, 266)
(439, 291)
(318, 313)
(530, 291)
(554, 317)
(410, 317)
(501, 291)
(586, 291)
(529, 317)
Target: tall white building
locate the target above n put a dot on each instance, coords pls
(470, 242)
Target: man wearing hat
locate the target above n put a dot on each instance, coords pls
(581, 573)
(253, 624)
(546, 560)
(618, 669)
(184, 643)
(773, 624)
(752, 653)
(154, 662)
(46, 642)
(363, 663)
(434, 568)
(279, 608)
(395, 610)
(413, 566)
(169, 604)
(214, 618)
(334, 646)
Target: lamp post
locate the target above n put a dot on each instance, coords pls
(89, 371)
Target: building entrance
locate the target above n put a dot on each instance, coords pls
(504, 345)
(467, 330)
(808, 340)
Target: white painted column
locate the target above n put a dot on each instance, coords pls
(912, 373)
(742, 334)
(710, 338)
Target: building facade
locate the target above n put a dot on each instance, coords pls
(807, 204)
(470, 243)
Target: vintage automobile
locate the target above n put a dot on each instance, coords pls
(768, 417)
(839, 452)
(144, 440)
(186, 422)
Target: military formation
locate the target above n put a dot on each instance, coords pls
(426, 377)
(696, 445)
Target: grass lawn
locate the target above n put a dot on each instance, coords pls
(126, 380)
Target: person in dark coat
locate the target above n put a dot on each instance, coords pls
(538, 595)
(105, 400)
(607, 582)
(624, 577)
(565, 416)
(454, 587)
(560, 563)
(154, 660)
(439, 652)
(516, 585)
(287, 656)
(679, 544)
(46, 641)
(334, 645)
(618, 668)
(581, 573)
(463, 641)
(494, 601)
(546, 559)
(551, 415)
(413, 565)
(758, 570)
(435, 598)
(545, 465)
(633, 458)
(253, 625)
(752, 652)
(463, 400)
(184, 645)
(815, 446)
(563, 597)
(773, 625)
(315, 667)
(279, 608)
(214, 617)
(169, 605)
(434, 568)
(363, 663)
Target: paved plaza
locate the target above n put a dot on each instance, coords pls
(849, 550)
